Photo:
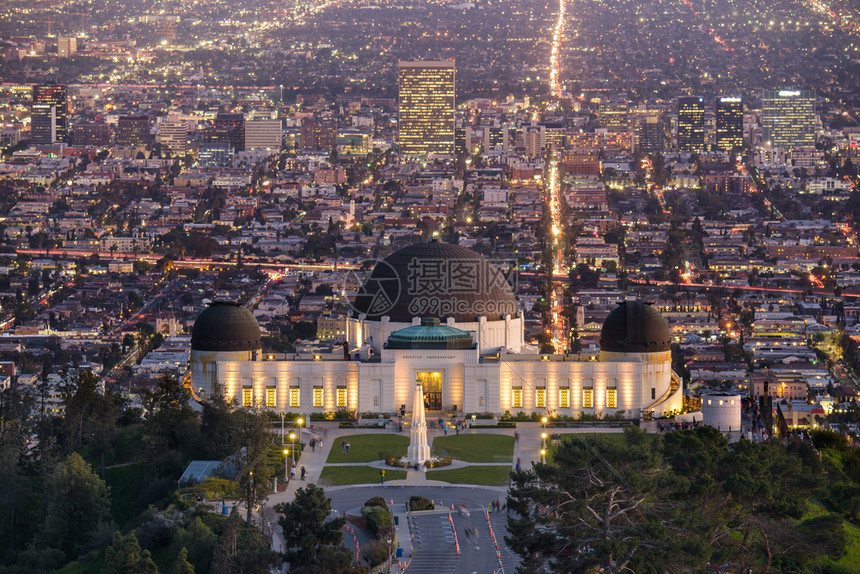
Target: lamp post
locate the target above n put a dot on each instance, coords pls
(388, 564)
(543, 455)
(543, 440)
(282, 429)
(293, 445)
(286, 465)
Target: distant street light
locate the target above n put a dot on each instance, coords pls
(286, 465)
(293, 445)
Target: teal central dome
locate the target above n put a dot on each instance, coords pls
(430, 335)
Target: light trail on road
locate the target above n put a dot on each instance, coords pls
(555, 86)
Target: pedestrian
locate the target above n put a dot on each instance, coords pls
(445, 430)
(304, 472)
(458, 430)
(292, 473)
(516, 436)
(518, 465)
(401, 426)
(382, 476)
(347, 448)
(343, 446)
(313, 445)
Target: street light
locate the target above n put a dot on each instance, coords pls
(543, 455)
(293, 445)
(282, 429)
(286, 465)
(388, 565)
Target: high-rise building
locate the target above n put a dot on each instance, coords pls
(92, 134)
(66, 46)
(534, 139)
(54, 95)
(730, 123)
(132, 131)
(264, 134)
(788, 118)
(613, 114)
(174, 137)
(691, 123)
(319, 135)
(235, 122)
(43, 124)
(426, 113)
(649, 133)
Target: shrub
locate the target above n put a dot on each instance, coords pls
(417, 503)
(376, 501)
(377, 518)
(376, 553)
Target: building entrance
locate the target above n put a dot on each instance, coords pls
(431, 384)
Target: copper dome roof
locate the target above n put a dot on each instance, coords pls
(225, 326)
(635, 327)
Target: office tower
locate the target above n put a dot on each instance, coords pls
(730, 123)
(534, 140)
(55, 95)
(43, 124)
(554, 136)
(215, 154)
(649, 134)
(174, 137)
(90, 134)
(319, 135)
(66, 46)
(426, 113)
(691, 123)
(613, 114)
(462, 140)
(788, 118)
(235, 122)
(132, 131)
(263, 134)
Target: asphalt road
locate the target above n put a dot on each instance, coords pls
(433, 537)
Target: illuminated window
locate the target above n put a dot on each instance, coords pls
(318, 396)
(247, 397)
(564, 398)
(294, 396)
(588, 398)
(612, 398)
(341, 397)
(271, 394)
(540, 398)
(518, 397)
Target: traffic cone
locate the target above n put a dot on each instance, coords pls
(452, 507)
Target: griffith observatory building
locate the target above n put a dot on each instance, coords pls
(444, 317)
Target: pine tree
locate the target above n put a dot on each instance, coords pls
(124, 556)
(183, 566)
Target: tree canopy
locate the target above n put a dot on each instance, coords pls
(312, 539)
(649, 503)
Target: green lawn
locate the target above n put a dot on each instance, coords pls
(340, 475)
(369, 447)
(475, 447)
(484, 475)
